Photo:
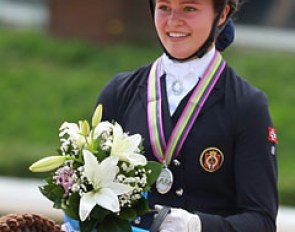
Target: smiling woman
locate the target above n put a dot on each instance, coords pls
(210, 128)
(191, 24)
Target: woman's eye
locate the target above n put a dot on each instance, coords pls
(189, 9)
(163, 8)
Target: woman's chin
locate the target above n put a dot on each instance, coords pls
(180, 56)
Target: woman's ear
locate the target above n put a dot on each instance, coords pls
(224, 15)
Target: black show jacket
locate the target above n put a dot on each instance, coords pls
(241, 195)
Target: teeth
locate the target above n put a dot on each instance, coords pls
(177, 34)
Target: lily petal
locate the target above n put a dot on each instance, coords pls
(87, 203)
(117, 131)
(119, 188)
(107, 199)
(109, 170)
(105, 190)
(134, 141)
(137, 159)
(126, 147)
(92, 169)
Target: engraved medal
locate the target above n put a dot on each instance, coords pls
(164, 181)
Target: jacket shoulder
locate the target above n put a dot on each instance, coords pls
(117, 93)
(247, 103)
(241, 90)
(131, 78)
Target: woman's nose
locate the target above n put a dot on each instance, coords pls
(175, 18)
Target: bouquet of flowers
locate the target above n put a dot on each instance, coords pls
(99, 176)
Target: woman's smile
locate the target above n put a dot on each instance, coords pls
(178, 34)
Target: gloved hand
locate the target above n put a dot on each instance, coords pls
(180, 220)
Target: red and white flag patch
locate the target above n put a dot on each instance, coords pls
(272, 135)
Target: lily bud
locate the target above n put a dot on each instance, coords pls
(96, 118)
(84, 127)
(48, 164)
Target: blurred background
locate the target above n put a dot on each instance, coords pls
(57, 55)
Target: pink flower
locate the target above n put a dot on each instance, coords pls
(64, 177)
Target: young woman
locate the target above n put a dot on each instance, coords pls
(210, 128)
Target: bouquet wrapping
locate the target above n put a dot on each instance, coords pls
(99, 175)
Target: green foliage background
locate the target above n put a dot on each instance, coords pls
(46, 81)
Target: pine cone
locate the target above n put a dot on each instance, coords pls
(28, 223)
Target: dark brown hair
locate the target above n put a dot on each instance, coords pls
(218, 5)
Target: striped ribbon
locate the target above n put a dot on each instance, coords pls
(166, 152)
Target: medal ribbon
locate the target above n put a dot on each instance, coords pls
(164, 153)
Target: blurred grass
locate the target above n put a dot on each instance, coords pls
(45, 81)
(274, 73)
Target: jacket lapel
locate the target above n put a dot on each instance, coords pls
(215, 95)
(167, 122)
(143, 87)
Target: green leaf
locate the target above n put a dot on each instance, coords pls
(114, 224)
(88, 225)
(73, 207)
(128, 214)
(96, 144)
(99, 213)
(142, 206)
(49, 180)
(58, 191)
(156, 169)
(52, 192)
(99, 153)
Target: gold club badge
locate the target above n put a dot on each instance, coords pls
(211, 159)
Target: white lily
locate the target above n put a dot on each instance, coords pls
(126, 147)
(75, 133)
(102, 127)
(105, 191)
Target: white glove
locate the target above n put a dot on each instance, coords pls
(180, 220)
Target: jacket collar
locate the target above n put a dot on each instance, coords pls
(216, 94)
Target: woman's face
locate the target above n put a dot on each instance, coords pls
(183, 25)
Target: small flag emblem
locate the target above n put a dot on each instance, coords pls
(272, 135)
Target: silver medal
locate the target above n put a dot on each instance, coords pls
(164, 181)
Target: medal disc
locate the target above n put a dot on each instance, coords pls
(164, 181)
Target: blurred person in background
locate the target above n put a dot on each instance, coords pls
(209, 127)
